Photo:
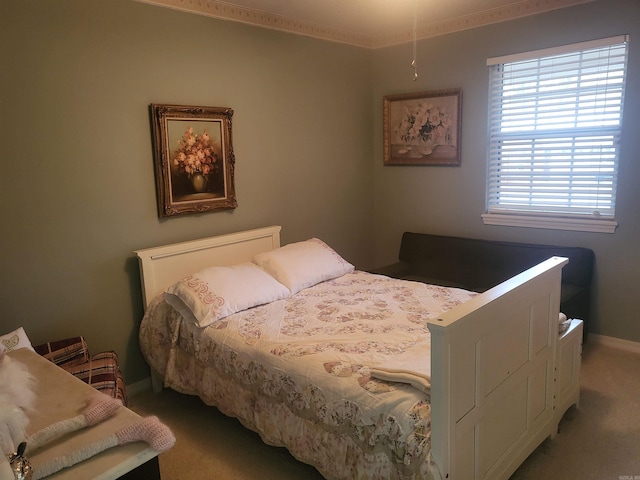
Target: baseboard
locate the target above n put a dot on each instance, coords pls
(141, 386)
(613, 342)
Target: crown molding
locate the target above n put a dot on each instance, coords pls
(228, 11)
(513, 11)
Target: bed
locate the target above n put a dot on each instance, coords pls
(331, 383)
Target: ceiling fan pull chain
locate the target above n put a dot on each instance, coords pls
(414, 62)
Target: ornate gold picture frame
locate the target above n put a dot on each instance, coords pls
(193, 157)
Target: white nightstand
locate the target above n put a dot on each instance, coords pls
(567, 370)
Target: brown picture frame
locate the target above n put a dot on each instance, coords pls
(194, 159)
(423, 128)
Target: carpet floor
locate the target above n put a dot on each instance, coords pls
(599, 440)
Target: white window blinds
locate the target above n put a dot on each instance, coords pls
(555, 118)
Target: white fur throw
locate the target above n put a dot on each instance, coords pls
(17, 397)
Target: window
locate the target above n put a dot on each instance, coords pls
(555, 118)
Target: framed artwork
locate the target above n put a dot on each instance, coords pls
(194, 160)
(423, 128)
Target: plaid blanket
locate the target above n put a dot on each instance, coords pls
(101, 370)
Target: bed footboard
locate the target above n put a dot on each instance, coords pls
(492, 369)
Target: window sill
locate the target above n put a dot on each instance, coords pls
(552, 223)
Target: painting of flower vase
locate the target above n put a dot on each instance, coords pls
(194, 159)
(423, 128)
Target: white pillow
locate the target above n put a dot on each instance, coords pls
(217, 292)
(14, 340)
(303, 264)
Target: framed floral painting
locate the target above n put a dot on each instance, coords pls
(194, 160)
(423, 128)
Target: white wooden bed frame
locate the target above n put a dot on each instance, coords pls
(492, 358)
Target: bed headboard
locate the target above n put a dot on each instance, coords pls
(162, 266)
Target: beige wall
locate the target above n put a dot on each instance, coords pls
(77, 186)
(449, 201)
(77, 179)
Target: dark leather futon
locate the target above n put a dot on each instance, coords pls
(479, 265)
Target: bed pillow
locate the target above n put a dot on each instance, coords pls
(303, 264)
(217, 292)
(14, 340)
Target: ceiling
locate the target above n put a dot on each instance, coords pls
(367, 23)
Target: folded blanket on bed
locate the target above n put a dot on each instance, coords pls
(412, 367)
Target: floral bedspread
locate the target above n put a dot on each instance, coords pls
(299, 371)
